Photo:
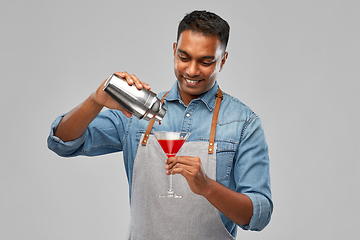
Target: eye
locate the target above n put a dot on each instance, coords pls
(184, 59)
(206, 64)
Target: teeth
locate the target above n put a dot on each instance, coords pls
(190, 81)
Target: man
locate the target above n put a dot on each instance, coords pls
(223, 168)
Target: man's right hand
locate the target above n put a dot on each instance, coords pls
(74, 123)
(104, 99)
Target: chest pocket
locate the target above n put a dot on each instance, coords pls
(138, 135)
(225, 153)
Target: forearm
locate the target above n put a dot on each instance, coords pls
(74, 124)
(236, 206)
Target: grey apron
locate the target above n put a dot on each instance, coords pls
(191, 217)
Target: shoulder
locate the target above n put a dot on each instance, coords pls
(232, 109)
(161, 94)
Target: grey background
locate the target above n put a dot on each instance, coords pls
(295, 63)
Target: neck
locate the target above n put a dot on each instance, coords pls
(186, 98)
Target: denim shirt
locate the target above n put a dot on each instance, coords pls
(242, 161)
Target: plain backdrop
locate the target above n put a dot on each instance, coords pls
(295, 63)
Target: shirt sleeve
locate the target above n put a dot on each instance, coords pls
(103, 135)
(252, 174)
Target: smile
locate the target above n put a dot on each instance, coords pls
(192, 81)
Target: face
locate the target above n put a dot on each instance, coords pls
(197, 61)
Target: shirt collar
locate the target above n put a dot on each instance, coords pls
(207, 98)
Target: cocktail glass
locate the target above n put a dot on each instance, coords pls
(171, 142)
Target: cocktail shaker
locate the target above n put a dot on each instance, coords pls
(142, 103)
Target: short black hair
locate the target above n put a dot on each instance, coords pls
(207, 23)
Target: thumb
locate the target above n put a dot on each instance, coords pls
(125, 112)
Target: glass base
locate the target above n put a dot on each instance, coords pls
(170, 195)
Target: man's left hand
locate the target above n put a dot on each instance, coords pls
(191, 169)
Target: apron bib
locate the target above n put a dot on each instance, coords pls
(191, 217)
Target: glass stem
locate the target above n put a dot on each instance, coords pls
(171, 184)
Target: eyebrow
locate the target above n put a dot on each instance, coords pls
(203, 57)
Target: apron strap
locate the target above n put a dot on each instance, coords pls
(219, 97)
(151, 124)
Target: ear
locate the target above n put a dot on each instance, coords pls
(223, 60)
(174, 47)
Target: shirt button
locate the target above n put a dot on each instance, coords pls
(188, 114)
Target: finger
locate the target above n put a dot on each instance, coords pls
(126, 76)
(190, 161)
(185, 170)
(146, 86)
(133, 79)
(138, 83)
(179, 167)
(120, 74)
(126, 112)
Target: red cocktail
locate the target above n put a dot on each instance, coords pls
(171, 147)
(171, 142)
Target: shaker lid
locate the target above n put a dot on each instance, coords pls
(160, 114)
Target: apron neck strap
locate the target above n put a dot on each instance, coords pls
(219, 97)
(151, 124)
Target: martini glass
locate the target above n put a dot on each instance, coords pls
(171, 142)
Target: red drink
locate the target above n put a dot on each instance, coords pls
(171, 147)
(171, 142)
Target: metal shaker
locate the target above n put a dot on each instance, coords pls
(142, 103)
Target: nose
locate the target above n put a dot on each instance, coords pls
(192, 70)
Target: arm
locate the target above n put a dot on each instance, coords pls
(236, 206)
(250, 205)
(74, 124)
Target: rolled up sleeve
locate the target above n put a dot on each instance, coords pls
(102, 136)
(252, 173)
(262, 209)
(64, 149)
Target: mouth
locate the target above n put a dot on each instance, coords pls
(191, 81)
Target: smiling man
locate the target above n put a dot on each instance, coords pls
(222, 171)
(198, 59)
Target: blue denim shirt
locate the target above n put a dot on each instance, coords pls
(241, 154)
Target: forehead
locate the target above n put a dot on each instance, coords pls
(197, 44)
